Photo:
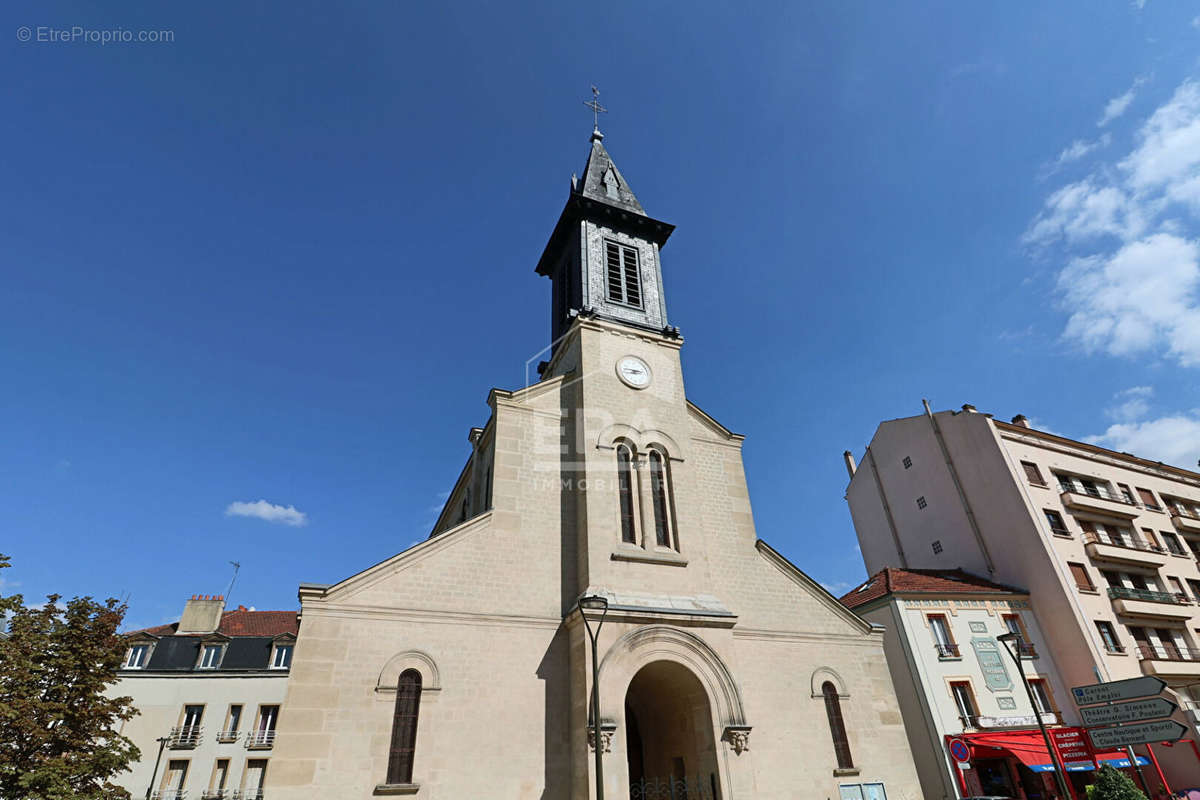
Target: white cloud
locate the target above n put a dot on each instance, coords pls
(1196, 22)
(1173, 439)
(1131, 404)
(1075, 151)
(1136, 299)
(269, 512)
(1120, 104)
(838, 588)
(1131, 283)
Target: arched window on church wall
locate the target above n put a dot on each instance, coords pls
(404, 728)
(625, 489)
(662, 506)
(837, 726)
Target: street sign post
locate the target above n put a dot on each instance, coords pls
(1164, 730)
(1129, 689)
(1135, 711)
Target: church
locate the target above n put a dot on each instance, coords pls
(593, 614)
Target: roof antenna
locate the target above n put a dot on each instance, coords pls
(229, 591)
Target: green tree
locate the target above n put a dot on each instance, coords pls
(1112, 784)
(58, 737)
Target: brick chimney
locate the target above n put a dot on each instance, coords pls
(202, 614)
(1022, 420)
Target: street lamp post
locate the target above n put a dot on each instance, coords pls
(162, 742)
(1059, 773)
(595, 603)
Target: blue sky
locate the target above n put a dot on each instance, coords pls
(284, 256)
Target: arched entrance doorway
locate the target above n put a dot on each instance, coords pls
(669, 735)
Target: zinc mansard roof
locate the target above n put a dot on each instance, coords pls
(891, 580)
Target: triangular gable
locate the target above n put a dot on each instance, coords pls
(711, 424)
(817, 590)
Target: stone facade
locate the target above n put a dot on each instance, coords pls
(712, 652)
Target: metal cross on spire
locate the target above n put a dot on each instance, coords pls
(597, 109)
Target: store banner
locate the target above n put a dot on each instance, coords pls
(1073, 748)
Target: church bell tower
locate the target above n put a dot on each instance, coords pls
(603, 256)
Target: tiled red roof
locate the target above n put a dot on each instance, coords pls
(922, 581)
(242, 622)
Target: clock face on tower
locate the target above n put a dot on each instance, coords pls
(633, 371)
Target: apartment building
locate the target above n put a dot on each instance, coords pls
(1106, 544)
(208, 688)
(955, 680)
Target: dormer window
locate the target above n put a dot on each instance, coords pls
(138, 655)
(210, 656)
(282, 658)
(624, 281)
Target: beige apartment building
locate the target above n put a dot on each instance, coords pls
(1105, 543)
(462, 667)
(208, 690)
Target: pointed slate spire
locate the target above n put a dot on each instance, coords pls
(603, 182)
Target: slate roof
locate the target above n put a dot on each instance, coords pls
(891, 580)
(603, 182)
(241, 622)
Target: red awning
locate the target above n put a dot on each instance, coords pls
(1030, 749)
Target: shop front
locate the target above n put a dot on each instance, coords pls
(1017, 763)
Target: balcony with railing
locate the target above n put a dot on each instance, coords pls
(248, 794)
(1096, 498)
(1184, 519)
(1169, 660)
(185, 737)
(225, 737)
(947, 652)
(1127, 549)
(1148, 603)
(217, 794)
(1026, 650)
(260, 739)
(169, 794)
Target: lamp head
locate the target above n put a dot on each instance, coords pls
(1009, 637)
(593, 602)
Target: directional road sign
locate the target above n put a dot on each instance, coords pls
(1164, 730)
(1136, 711)
(1130, 689)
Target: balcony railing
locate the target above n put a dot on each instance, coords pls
(1027, 650)
(1180, 511)
(1132, 543)
(1166, 652)
(1114, 648)
(1125, 593)
(185, 737)
(969, 721)
(260, 740)
(248, 794)
(947, 651)
(228, 736)
(169, 794)
(217, 794)
(1103, 492)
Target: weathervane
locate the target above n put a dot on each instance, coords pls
(597, 109)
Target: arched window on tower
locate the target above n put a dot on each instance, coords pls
(404, 728)
(837, 726)
(659, 496)
(625, 490)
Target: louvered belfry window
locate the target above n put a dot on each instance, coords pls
(404, 728)
(624, 283)
(833, 709)
(625, 489)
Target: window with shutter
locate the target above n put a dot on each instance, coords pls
(624, 279)
(1082, 579)
(1148, 499)
(1033, 473)
(837, 726)
(404, 728)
